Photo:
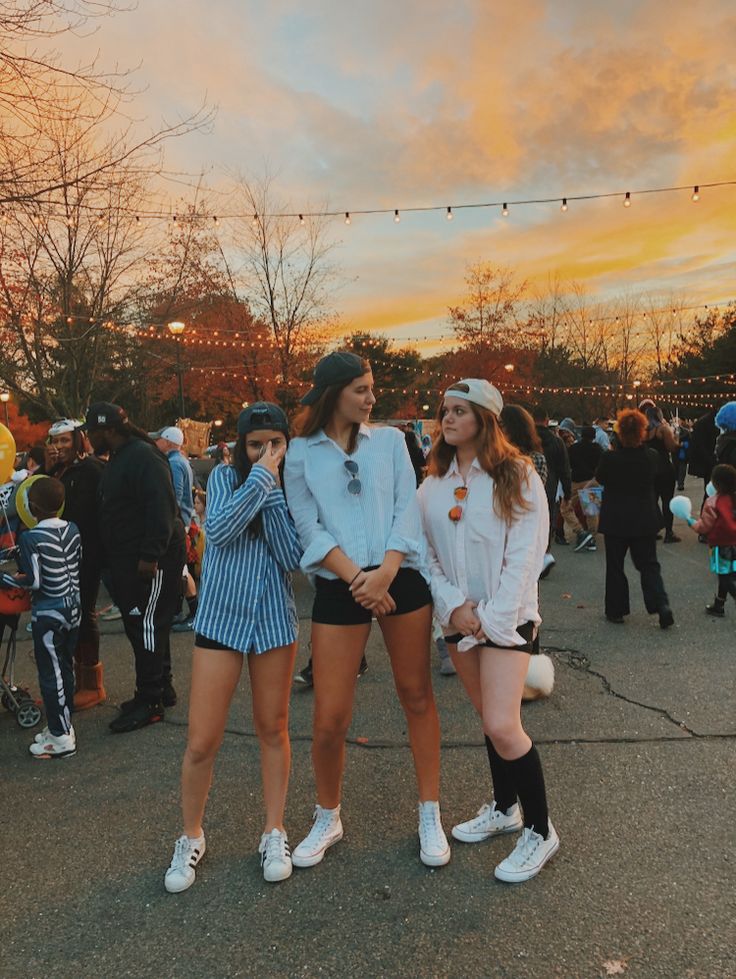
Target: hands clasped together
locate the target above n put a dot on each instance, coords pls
(465, 621)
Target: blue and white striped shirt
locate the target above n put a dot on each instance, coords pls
(384, 516)
(49, 563)
(246, 600)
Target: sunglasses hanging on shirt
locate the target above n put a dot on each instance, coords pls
(460, 493)
(354, 484)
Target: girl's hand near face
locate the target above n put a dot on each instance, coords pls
(271, 459)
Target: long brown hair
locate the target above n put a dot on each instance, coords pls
(316, 416)
(503, 462)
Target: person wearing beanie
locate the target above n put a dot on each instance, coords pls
(49, 561)
(81, 473)
(143, 540)
(485, 514)
(352, 492)
(246, 612)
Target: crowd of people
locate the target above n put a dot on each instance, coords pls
(457, 535)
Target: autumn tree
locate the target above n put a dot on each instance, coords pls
(288, 278)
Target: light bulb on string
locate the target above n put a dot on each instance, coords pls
(563, 206)
(302, 222)
(254, 220)
(505, 211)
(627, 199)
(347, 217)
(695, 197)
(449, 215)
(214, 220)
(397, 216)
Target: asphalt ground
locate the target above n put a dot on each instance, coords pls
(637, 741)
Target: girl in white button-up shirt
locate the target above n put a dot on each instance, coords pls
(352, 493)
(485, 515)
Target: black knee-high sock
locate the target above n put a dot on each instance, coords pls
(529, 781)
(504, 791)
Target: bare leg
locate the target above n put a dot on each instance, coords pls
(336, 654)
(270, 681)
(408, 639)
(502, 676)
(215, 675)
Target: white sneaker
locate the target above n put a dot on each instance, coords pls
(434, 850)
(54, 745)
(547, 565)
(490, 821)
(42, 735)
(529, 855)
(275, 855)
(187, 854)
(326, 830)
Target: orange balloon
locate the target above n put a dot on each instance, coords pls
(7, 453)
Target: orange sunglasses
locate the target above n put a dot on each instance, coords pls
(456, 512)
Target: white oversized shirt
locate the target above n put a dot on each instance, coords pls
(480, 557)
(384, 516)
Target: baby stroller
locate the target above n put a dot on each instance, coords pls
(13, 601)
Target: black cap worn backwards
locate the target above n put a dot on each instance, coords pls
(262, 415)
(102, 414)
(336, 368)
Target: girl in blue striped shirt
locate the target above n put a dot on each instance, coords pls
(246, 606)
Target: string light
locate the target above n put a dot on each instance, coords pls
(627, 199)
(564, 204)
(302, 222)
(449, 214)
(347, 217)
(254, 220)
(696, 194)
(397, 216)
(505, 211)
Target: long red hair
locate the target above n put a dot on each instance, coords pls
(504, 463)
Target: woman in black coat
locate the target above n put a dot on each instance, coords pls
(630, 520)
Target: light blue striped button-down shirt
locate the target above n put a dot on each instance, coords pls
(246, 600)
(384, 516)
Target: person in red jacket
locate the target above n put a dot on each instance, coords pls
(717, 524)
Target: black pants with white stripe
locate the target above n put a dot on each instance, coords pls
(55, 636)
(148, 608)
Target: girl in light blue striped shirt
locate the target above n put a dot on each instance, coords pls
(246, 606)
(352, 491)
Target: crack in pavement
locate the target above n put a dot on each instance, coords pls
(575, 660)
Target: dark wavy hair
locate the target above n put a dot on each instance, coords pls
(519, 428)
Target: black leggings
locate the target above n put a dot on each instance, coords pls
(726, 586)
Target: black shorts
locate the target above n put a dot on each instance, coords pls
(334, 605)
(204, 643)
(526, 629)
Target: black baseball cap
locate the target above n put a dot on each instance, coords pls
(103, 414)
(262, 415)
(336, 368)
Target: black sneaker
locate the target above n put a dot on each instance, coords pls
(304, 677)
(168, 698)
(717, 609)
(560, 539)
(616, 619)
(666, 618)
(140, 715)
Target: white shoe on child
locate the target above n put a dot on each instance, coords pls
(54, 745)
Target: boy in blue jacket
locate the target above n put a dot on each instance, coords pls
(49, 566)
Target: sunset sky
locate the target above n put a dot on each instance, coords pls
(384, 104)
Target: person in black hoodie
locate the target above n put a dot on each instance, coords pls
(143, 537)
(81, 473)
(585, 455)
(630, 520)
